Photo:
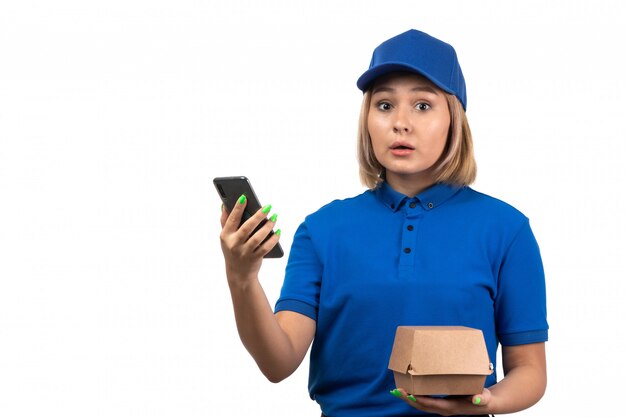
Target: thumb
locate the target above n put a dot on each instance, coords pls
(482, 399)
(224, 216)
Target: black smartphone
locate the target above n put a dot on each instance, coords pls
(230, 189)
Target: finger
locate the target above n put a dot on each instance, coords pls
(401, 393)
(396, 393)
(482, 399)
(269, 244)
(234, 218)
(424, 402)
(261, 235)
(247, 228)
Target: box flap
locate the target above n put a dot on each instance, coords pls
(440, 350)
(400, 359)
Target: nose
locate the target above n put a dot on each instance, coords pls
(402, 122)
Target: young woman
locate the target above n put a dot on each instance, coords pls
(418, 248)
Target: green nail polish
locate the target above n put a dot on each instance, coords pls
(273, 218)
(267, 209)
(277, 232)
(242, 199)
(412, 398)
(477, 400)
(396, 393)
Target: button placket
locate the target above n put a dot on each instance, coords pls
(412, 212)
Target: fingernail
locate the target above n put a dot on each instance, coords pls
(267, 209)
(396, 393)
(476, 400)
(277, 232)
(273, 218)
(222, 208)
(412, 398)
(242, 199)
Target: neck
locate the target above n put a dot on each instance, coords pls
(409, 185)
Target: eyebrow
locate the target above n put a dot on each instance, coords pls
(424, 88)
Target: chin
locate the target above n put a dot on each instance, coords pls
(407, 172)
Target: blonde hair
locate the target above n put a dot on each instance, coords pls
(456, 165)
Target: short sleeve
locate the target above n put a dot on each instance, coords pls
(303, 276)
(520, 306)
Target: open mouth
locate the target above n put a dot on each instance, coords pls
(402, 147)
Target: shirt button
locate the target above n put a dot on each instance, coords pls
(409, 227)
(407, 250)
(412, 205)
(431, 205)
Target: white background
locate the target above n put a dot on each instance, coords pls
(115, 116)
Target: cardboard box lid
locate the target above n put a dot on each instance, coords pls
(440, 350)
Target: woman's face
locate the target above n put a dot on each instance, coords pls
(408, 122)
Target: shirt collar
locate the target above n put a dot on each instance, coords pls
(430, 198)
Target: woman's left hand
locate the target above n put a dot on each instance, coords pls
(466, 405)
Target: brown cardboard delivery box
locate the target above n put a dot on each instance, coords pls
(440, 360)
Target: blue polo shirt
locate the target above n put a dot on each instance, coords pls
(360, 267)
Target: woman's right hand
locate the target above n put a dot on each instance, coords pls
(243, 250)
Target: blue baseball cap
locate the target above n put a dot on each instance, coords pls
(416, 51)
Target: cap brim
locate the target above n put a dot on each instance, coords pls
(368, 77)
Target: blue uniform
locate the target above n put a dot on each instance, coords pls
(360, 267)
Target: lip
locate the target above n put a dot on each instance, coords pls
(401, 148)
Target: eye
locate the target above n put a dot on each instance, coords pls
(422, 106)
(384, 106)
